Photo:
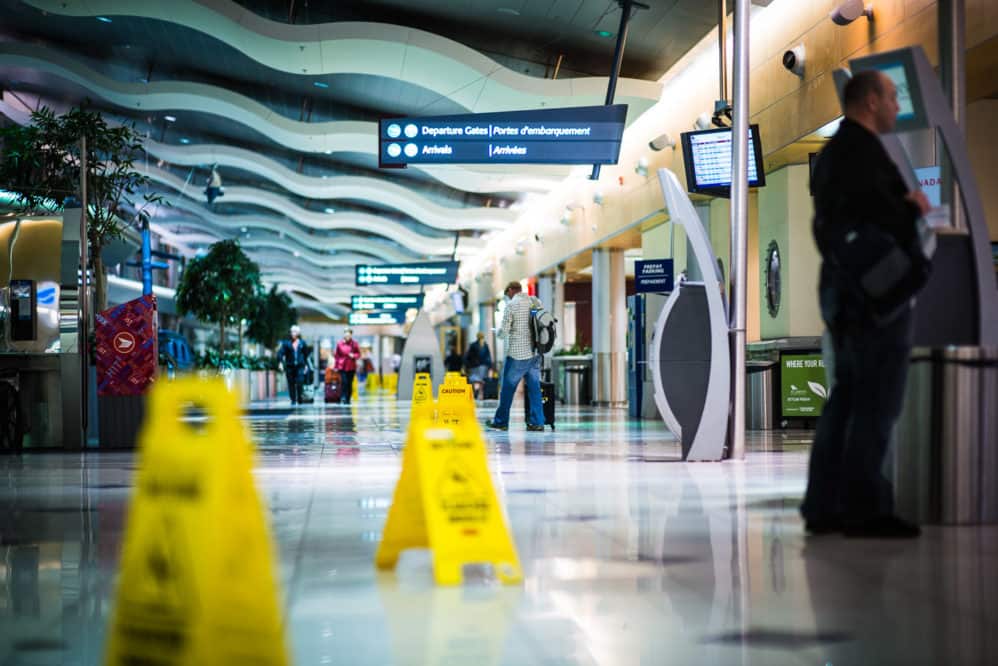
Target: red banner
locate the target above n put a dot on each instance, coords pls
(127, 347)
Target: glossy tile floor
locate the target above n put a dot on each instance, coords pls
(630, 557)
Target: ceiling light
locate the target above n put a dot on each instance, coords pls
(320, 84)
(330, 210)
(605, 34)
(508, 10)
(103, 19)
(184, 140)
(170, 119)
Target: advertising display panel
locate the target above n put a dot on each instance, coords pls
(803, 387)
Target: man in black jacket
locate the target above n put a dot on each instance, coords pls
(859, 193)
(294, 356)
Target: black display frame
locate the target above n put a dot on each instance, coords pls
(721, 191)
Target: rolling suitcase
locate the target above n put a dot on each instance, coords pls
(547, 400)
(490, 388)
(308, 394)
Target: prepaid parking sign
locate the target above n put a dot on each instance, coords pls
(431, 272)
(576, 135)
(653, 276)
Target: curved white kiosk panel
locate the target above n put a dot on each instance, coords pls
(690, 358)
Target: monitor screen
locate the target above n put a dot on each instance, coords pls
(707, 157)
(900, 66)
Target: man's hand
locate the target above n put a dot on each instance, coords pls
(918, 198)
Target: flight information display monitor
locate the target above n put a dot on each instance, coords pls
(385, 302)
(575, 135)
(900, 67)
(707, 158)
(430, 272)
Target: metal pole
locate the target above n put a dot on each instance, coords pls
(739, 224)
(83, 330)
(953, 72)
(722, 48)
(626, 7)
(146, 260)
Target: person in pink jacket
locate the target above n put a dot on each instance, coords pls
(345, 358)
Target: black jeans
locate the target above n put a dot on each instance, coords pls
(296, 379)
(346, 377)
(845, 479)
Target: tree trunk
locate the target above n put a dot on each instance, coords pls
(240, 337)
(221, 336)
(100, 281)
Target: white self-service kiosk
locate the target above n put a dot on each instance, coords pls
(962, 284)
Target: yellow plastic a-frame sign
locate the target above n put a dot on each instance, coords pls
(453, 401)
(454, 378)
(445, 501)
(422, 389)
(197, 581)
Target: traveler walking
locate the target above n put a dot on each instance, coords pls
(522, 360)
(478, 361)
(346, 355)
(865, 219)
(294, 355)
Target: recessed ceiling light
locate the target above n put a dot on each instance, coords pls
(320, 84)
(509, 10)
(184, 140)
(103, 19)
(330, 210)
(243, 229)
(170, 119)
(606, 34)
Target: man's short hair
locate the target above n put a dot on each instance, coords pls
(514, 287)
(861, 86)
(296, 329)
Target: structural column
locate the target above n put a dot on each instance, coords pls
(609, 327)
(551, 292)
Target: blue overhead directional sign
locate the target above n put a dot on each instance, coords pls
(576, 135)
(377, 318)
(431, 272)
(401, 302)
(653, 276)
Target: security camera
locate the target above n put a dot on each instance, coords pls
(850, 10)
(793, 60)
(702, 122)
(661, 142)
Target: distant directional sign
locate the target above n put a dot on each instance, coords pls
(386, 302)
(576, 135)
(431, 272)
(377, 318)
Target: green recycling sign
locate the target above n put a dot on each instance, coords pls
(803, 385)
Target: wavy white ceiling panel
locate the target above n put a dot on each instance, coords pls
(346, 220)
(446, 67)
(234, 224)
(327, 137)
(362, 188)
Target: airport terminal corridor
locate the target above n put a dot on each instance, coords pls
(630, 556)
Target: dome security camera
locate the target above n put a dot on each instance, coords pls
(793, 60)
(850, 10)
(661, 142)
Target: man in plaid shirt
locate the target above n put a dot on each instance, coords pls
(522, 360)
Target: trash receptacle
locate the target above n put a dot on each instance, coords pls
(946, 459)
(760, 387)
(577, 384)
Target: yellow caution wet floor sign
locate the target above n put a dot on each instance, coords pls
(445, 501)
(196, 582)
(454, 401)
(455, 378)
(422, 389)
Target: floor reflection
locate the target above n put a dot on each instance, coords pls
(629, 557)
